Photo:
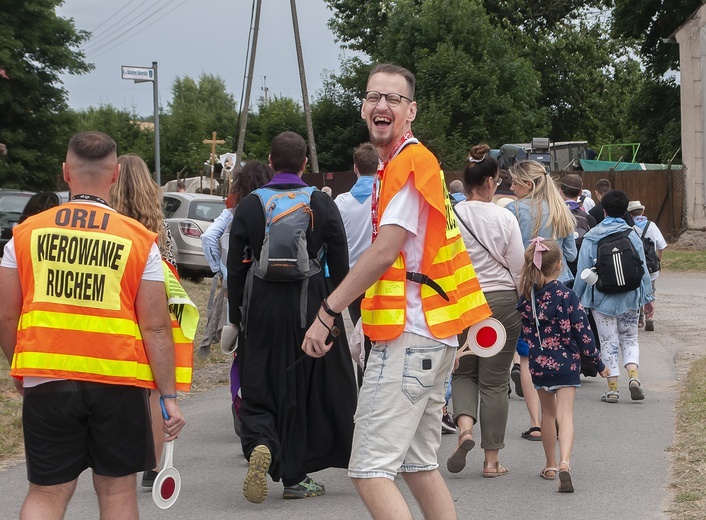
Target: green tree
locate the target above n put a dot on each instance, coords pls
(196, 111)
(36, 46)
(278, 115)
(122, 126)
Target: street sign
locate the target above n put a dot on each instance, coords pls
(137, 73)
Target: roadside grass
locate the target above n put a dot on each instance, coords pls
(688, 469)
(683, 260)
(11, 443)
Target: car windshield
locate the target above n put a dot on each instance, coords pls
(13, 203)
(206, 209)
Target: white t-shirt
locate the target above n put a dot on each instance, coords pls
(358, 224)
(409, 210)
(153, 272)
(498, 230)
(655, 234)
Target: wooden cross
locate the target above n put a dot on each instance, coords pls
(213, 142)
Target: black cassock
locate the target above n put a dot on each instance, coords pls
(305, 414)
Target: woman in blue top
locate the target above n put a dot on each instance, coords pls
(616, 314)
(541, 212)
(253, 175)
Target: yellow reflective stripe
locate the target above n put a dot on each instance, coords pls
(178, 336)
(454, 311)
(79, 364)
(387, 288)
(382, 316)
(399, 262)
(449, 283)
(80, 322)
(449, 251)
(183, 374)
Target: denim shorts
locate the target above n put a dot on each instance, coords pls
(554, 388)
(398, 420)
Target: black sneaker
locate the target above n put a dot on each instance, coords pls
(515, 376)
(148, 478)
(305, 489)
(447, 424)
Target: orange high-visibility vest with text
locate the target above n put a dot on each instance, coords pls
(445, 259)
(80, 267)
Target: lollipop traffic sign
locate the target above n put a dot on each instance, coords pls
(485, 339)
(167, 485)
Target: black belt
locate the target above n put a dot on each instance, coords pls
(424, 279)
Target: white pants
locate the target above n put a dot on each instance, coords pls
(618, 335)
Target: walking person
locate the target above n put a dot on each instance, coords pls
(558, 333)
(137, 196)
(297, 412)
(616, 311)
(492, 237)
(91, 402)
(653, 243)
(540, 211)
(412, 321)
(215, 243)
(354, 206)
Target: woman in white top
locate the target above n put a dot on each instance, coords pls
(494, 242)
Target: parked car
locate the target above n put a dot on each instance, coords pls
(188, 215)
(12, 202)
(41, 201)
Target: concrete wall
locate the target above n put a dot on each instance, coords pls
(692, 53)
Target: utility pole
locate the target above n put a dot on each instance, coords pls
(248, 88)
(265, 90)
(305, 93)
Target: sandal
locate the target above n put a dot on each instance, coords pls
(611, 396)
(636, 393)
(545, 472)
(457, 461)
(528, 434)
(565, 483)
(492, 470)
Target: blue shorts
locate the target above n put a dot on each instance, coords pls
(522, 347)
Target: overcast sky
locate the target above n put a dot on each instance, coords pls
(190, 37)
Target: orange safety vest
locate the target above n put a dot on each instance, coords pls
(445, 259)
(80, 267)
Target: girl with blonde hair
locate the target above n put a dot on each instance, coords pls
(557, 331)
(136, 195)
(541, 212)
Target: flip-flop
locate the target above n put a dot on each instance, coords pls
(565, 483)
(457, 461)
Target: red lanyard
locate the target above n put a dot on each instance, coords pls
(378, 180)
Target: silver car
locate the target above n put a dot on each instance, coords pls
(188, 215)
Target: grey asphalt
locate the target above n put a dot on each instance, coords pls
(620, 460)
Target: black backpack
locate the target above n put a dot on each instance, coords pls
(618, 264)
(582, 227)
(648, 244)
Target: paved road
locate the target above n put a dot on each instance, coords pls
(620, 461)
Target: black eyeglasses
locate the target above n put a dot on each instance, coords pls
(392, 99)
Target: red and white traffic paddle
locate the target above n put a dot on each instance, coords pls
(167, 485)
(485, 339)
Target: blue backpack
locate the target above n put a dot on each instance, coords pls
(284, 256)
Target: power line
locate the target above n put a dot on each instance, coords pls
(110, 17)
(102, 49)
(96, 42)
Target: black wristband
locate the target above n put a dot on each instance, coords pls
(328, 310)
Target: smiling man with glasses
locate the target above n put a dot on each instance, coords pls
(412, 320)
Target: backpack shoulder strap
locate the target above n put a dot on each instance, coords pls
(645, 230)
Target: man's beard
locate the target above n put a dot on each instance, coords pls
(381, 140)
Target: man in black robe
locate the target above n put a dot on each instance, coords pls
(297, 414)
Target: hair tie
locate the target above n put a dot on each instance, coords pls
(539, 248)
(471, 159)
